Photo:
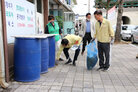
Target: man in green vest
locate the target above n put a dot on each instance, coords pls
(53, 28)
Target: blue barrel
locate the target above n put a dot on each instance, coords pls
(27, 59)
(51, 51)
(44, 55)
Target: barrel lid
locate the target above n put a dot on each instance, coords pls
(34, 36)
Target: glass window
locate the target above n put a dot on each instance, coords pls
(136, 28)
(32, 1)
(70, 17)
(66, 17)
(39, 6)
(51, 12)
(60, 13)
(124, 27)
(128, 27)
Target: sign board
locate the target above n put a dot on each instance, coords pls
(112, 13)
(20, 18)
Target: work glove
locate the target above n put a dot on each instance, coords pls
(78, 47)
(92, 40)
(112, 41)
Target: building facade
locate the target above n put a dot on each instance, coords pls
(10, 23)
(130, 11)
(62, 10)
(126, 4)
(40, 9)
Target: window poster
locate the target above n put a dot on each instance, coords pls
(20, 18)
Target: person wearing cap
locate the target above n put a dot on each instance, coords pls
(53, 28)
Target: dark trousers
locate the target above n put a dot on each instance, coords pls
(104, 49)
(86, 38)
(77, 51)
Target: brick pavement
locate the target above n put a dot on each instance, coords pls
(121, 77)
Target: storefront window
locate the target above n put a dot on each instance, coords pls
(60, 13)
(39, 6)
(66, 18)
(55, 12)
(51, 12)
(69, 17)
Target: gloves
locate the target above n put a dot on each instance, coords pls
(112, 41)
(79, 47)
(92, 40)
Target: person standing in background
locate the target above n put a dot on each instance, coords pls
(104, 34)
(53, 28)
(88, 31)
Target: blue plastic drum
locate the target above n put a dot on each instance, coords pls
(51, 51)
(27, 59)
(44, 55)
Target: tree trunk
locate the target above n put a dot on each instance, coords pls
(107, 8)
(119, 20)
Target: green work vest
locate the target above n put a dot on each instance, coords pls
(54, 30)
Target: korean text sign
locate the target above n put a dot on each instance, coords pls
(20, 18)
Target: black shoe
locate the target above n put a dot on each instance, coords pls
(105, 69)
(82, 53)
(56, 62)
(100, 68)
(60, 59)
(74, 64)
(137, 56)
(69, 61)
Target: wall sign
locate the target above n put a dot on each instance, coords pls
(20, 18)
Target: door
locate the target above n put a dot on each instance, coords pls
(68, 23)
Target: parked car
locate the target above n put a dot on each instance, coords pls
(126, 31)
(134, 36)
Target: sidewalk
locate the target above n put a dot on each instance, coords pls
(122, 76)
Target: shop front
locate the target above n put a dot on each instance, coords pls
(19, 18)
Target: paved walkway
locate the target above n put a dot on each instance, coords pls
(121, 77)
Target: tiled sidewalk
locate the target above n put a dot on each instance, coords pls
(121, 77)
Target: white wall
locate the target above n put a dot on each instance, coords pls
(131, 13)
(39, 20)
(133, 16)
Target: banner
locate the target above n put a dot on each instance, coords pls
(20, 18)
(112, 13)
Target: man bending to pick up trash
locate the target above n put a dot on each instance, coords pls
(66, 43)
